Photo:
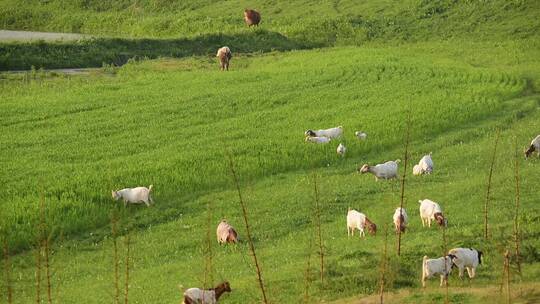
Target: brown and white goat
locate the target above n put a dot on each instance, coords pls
(400, 220)
(429, 210)
(357, 220)
(206, 296)
(226, 233)
(535, 146)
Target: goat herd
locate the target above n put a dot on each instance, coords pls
(429, 211)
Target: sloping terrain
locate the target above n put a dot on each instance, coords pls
(461, 70)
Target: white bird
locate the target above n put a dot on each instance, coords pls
(361, 135)
(341, 149)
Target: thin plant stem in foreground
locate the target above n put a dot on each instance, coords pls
(486, 205)
(318, 224)
(405, 161)
(248, 232)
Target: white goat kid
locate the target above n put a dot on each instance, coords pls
(360, 135)
(385, 171)
(441, 266)
(136, 195)
(466, 258)
(341, 149)
(425, 166)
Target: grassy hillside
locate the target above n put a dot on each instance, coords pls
(184, 28)
(170, 123)
(341, 21)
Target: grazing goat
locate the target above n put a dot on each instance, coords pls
(208, 296)
(400, 219)
(425, 166)
(357, 220)
(252, 17)
(361, 135)
(385, 171)
(134, 195)
(318, 140)
(330, 133)
(341, 149)
(224, 54)
(432, 267)
(535, 146)
(429, 210)
(466, 258)
(226, 233)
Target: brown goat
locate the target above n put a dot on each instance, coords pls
(252, 17)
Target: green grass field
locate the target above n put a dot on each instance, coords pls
(172, 122)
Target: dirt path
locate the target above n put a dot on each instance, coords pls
(6, 35)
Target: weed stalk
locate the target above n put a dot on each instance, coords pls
(127, 243)
(114, 234)
(405, 160)
(318, 224)
(248, 232)
(517, 234)
(486, 205)
(383, 266)
(7, 271)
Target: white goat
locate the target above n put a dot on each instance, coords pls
(341, 149)
(318, 140)
(357, 220)
(466, 258)
(224, 54)
(361, 135)
(425, 166)
(208, 296)
(400, 219)
(330, 133)
(429, 210)
(535, 146)
(385, 171)
(432, 267)
(136, 195)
